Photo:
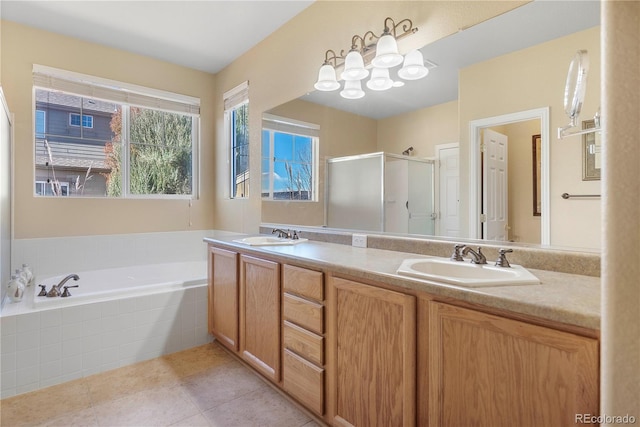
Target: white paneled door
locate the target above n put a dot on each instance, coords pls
(448, 187)
(494, 186)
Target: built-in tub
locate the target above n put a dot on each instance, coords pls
(114, 283)
(116, 317)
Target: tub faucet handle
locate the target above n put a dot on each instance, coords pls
(66, 292)
(43, 291)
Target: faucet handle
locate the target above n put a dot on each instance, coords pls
(456, 255)
(66, 292)
(43, 291)
(502, 258)
(295, 235)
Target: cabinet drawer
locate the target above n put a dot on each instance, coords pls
(303, 282)
(304, 343)
(304, 381)
(304, 313)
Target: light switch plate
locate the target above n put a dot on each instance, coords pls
(359, 240)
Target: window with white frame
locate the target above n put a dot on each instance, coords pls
(236, 117)
(113, 139)
(52, 188)
(86, 121)
(289, 159)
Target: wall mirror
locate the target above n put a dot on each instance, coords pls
(513, 63)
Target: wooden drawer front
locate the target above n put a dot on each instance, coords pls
(304, 381)
(304, 313)
(303, 282)
(304, 343)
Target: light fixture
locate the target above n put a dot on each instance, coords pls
(354, 67)
(327, 79)
(380, 79)
(413, 67)
(371, 50)
(387, 55)
(352, 90)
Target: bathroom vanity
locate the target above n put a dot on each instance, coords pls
(340, 332)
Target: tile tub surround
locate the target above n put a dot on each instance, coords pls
(559, 260)
(61, 255)
(202, 386)
(44, 348)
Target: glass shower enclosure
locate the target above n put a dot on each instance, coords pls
(380, 192)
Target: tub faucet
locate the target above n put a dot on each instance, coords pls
(476, 257)
(55, 289)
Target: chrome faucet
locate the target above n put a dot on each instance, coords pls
(502, 258)
(55, 289)
(281, 233)
(455, 256)
(476, 257)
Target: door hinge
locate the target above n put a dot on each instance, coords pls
(483, 147)
(483, 217)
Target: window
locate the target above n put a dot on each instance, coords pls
(289, 159)
(128, 142)
(236, 116)
(87, 121)
(52, 188)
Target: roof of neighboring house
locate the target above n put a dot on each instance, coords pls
(71, 155)
(74, 101)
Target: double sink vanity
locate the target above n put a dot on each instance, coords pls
(366, 336)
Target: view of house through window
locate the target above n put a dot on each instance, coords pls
(236, 116)
(289, 161)
(91, 147)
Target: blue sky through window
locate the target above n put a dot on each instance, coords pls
(289, 151)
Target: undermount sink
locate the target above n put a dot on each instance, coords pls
(269, 241)
(464, 273)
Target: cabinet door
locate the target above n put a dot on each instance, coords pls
(373, 350)
(223, 296)
(260, 315)
(487, 370)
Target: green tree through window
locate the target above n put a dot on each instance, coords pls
(160, 153)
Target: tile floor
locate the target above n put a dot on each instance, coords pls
(203, 386)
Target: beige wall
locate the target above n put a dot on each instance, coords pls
(341, 134)
(574, 223)
(285, 65)
(421, 129)
(620, 349)
(47, 217)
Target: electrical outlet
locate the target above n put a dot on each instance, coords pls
(359, 240)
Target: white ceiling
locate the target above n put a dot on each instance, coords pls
(528, 25)
(205, 35)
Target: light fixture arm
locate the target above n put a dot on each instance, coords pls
(366, 43)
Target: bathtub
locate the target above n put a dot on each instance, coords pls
(116, 317)
(114, 283)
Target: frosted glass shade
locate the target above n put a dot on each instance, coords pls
(327, 79)
(354, 67)
(380, 79)
(352, 89)
(387, 55)
(413, 67)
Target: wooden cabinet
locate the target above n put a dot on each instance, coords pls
(223, 296)
(357, 359)
(490, 370)
(373, 355)
(303, 340)
(260, 315)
